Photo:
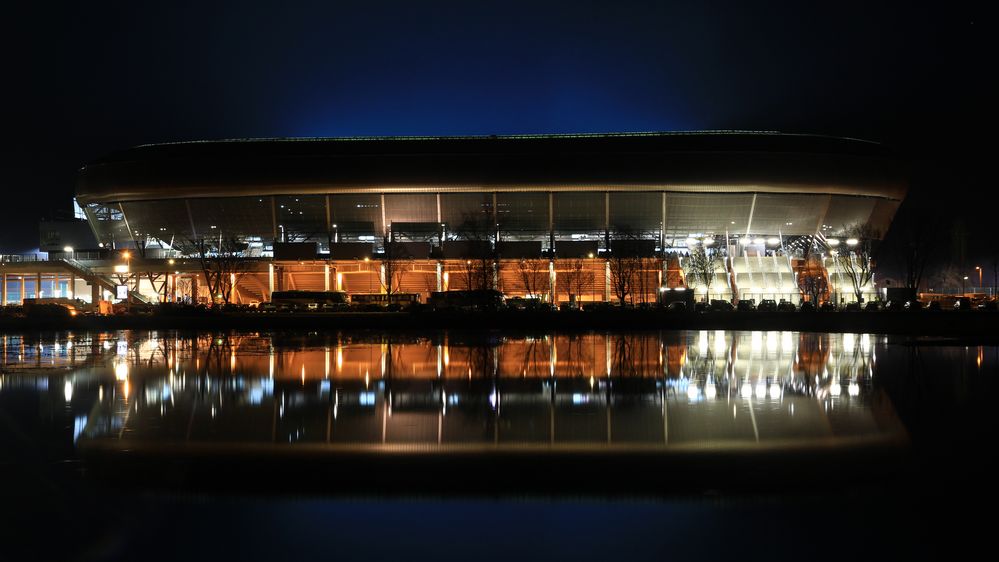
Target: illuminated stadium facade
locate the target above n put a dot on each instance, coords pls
(350, 213)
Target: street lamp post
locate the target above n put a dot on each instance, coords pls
(963, 280)
(979, 268)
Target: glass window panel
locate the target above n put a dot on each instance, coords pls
(845, 210)
(303, 218)
(705, 213)
(788, 214)
(164, 220)
(458, 207)
(357, 215)
(579, 212)
(241, 217)
(636, 212)
(410, 207)
(522, 212)
(108, 222)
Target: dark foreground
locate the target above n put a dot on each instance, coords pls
(173, 481)
(978, 324)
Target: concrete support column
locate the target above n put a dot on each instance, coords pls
(3, 291)
(440, 270)
(72, 286)
(270, 280)
(23, 286)
(194, 288)
(326, 277)
(38, 285)
(607, 281)
(551, 281)
(95, 291)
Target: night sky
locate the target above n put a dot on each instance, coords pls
(83, 79)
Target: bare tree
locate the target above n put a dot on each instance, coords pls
(534, 276)
(481, 268)
(222, 264)
(812, 281)
(858, 261)
(394, 264)
(700, 267)
(917, 237)
(573, 277)
(623, 268)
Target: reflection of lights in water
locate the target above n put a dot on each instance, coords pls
(592, 382)
(761, 389)
(849, 343)
(835, 389)
(100, 393)
(122, 348)
(786, 341)
(757, 341)
(107, 345)
(719, 341)
(746, 391)
(865, 342)
(692, 390)
(125, 388)
(775, 390)
(702, 342)
(772, 342)
(577, 399)
(121, 371)
(853, 389)
(67, 391)
(494, 399)
(710, 391)
(79, 424)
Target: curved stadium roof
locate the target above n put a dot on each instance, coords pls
(712, 161)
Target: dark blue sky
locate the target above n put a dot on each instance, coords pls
(84, 79)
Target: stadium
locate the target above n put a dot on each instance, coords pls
(548, 216)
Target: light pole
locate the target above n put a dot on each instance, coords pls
(979, 268)
(963, 280)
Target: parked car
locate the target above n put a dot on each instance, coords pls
(934, 306)
(746, 305)
(718, 305)
(873, 306)
(677, 306)
(807, 306)
(828, 306)
(785, 306)
(701, 307)
(989, 306)
(767, 305)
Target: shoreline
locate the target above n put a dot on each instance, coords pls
(978, 324)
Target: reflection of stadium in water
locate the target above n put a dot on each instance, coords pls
(650, 389)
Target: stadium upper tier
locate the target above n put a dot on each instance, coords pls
(661, 186)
